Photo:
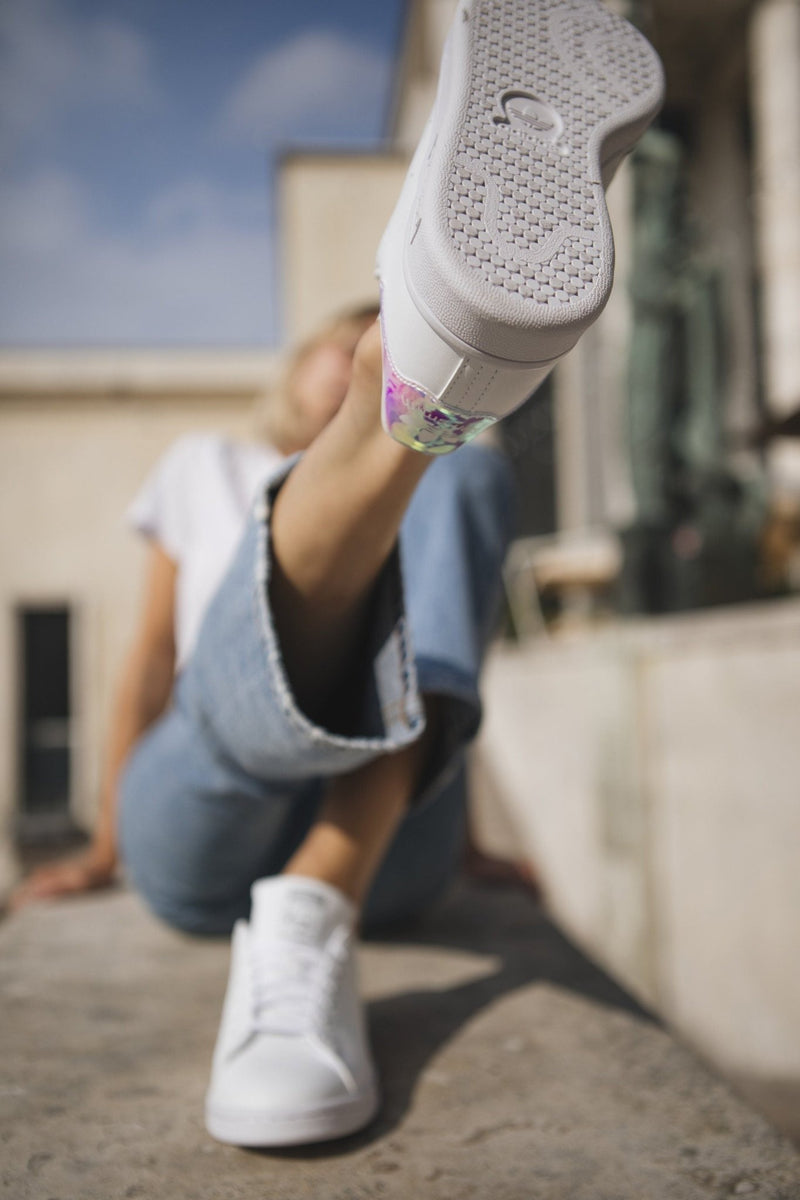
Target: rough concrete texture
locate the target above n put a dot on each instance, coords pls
(512, 1069)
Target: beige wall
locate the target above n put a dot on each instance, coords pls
(333, 210)
(69, 465)
(775, 91)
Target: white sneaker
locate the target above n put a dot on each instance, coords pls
(292, 1062)
(499, 253)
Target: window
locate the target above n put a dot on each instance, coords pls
(45, 751)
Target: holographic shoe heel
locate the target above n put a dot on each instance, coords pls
(412, 415)
(499, 253)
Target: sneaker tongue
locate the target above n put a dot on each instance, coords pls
(295, 909)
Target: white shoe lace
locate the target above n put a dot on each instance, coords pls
(294, 986)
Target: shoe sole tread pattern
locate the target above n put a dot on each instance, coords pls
(554, 93)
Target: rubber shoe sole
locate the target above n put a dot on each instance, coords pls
(500, 253)
(246, 1128)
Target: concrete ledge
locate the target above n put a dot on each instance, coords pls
(512, 1069)
(651, 772)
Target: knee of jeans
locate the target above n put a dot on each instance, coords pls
(139, 843)
(192, 919)
(186, 914)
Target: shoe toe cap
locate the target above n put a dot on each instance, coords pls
(278, 1076)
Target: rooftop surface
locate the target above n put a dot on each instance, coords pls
(513, 1069)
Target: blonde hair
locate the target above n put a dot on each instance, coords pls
(276, 418)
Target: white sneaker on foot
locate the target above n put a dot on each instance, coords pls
(499, 253)
(292, 1061)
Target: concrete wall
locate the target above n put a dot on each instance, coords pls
(652, 772)
(333, 210)
(79, 431)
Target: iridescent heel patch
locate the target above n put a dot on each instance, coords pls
(414, 418)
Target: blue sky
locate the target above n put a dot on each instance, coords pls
(136, 140)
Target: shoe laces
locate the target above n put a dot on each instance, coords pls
(294, 985)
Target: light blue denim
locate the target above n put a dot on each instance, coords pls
(224, 786)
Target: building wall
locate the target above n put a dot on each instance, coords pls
(332, 212)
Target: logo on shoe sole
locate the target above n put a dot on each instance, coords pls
(529, 115)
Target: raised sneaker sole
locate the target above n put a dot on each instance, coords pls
(499, 253)
(246, 1128)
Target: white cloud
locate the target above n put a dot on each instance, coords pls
(316, 84)
(52, 64)
(197, 268)
(197, 271)
(42, 215)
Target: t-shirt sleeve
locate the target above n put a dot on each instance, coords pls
(160, 509)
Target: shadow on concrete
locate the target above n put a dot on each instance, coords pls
(408, 1029)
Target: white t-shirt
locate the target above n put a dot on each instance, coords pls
(195, 503)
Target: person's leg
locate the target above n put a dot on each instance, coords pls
(302, 668)
(292, 1060)
(334, 525)
(197, 833)
(453, 541)
(197, 830)
(421, 862)
(451, 571)
(359, 815)
(268, 657)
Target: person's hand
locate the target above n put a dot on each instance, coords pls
(89, 871)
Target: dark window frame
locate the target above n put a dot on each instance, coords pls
(45, 740)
